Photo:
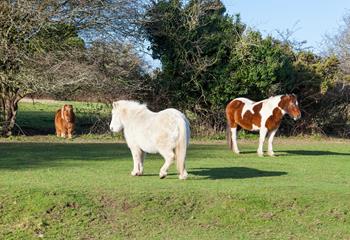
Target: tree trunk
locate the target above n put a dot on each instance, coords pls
(9, 111)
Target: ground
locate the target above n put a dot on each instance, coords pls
(82, 189)
(53, 188)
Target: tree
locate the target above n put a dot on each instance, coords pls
(209, 57)
(258, 67)
(193, 42)
(121, 72)
(339, 45)
(35, 33)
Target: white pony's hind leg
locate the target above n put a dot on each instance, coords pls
(262, 136)
(271, 135)
(138, 156)
(169, 158)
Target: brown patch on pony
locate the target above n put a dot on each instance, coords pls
(249, 119)
(234, 115)
(285, 99)
(274, 121)
(65, 121)
(234, 118)
(233, 111)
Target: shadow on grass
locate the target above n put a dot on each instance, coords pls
(300, 152)
(22, 156)
(234, 173)
(311, 153)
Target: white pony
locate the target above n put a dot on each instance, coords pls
(166, 132)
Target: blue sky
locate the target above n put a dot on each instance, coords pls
(309, 19)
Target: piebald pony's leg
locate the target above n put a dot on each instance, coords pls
(169, 158)
(234, 140)
(263, 132)
(137, 155)
(271, 135)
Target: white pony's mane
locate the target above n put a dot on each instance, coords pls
(133, 106)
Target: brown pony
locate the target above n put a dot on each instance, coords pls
(65, 121)
(264, 116)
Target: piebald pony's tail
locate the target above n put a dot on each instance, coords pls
(229, 136)
(181, 147)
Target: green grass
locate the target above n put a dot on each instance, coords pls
(81, 189)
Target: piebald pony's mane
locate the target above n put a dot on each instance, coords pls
(271, 98)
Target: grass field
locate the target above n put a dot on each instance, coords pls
(53, 188)
(81, 189)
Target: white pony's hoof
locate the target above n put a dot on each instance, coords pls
(136, 173)
(260, 154)
(162, 175)
(236, 152)
(271, 154)
(183, 176)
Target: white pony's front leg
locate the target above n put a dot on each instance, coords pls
(262, 136)
(169, 158)
(270, 140)
(138, 156)
(234, 140)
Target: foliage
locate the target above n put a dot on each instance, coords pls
(192, 41)
(258, 68)
(209, 58)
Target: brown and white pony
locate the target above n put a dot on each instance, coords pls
(65, 121)
(264, 116)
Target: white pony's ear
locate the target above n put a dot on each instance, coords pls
(115, 104)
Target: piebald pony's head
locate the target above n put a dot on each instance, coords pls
(289, 103)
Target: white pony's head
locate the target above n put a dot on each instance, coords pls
(116, 124)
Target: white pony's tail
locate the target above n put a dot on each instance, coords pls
(181, 147)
